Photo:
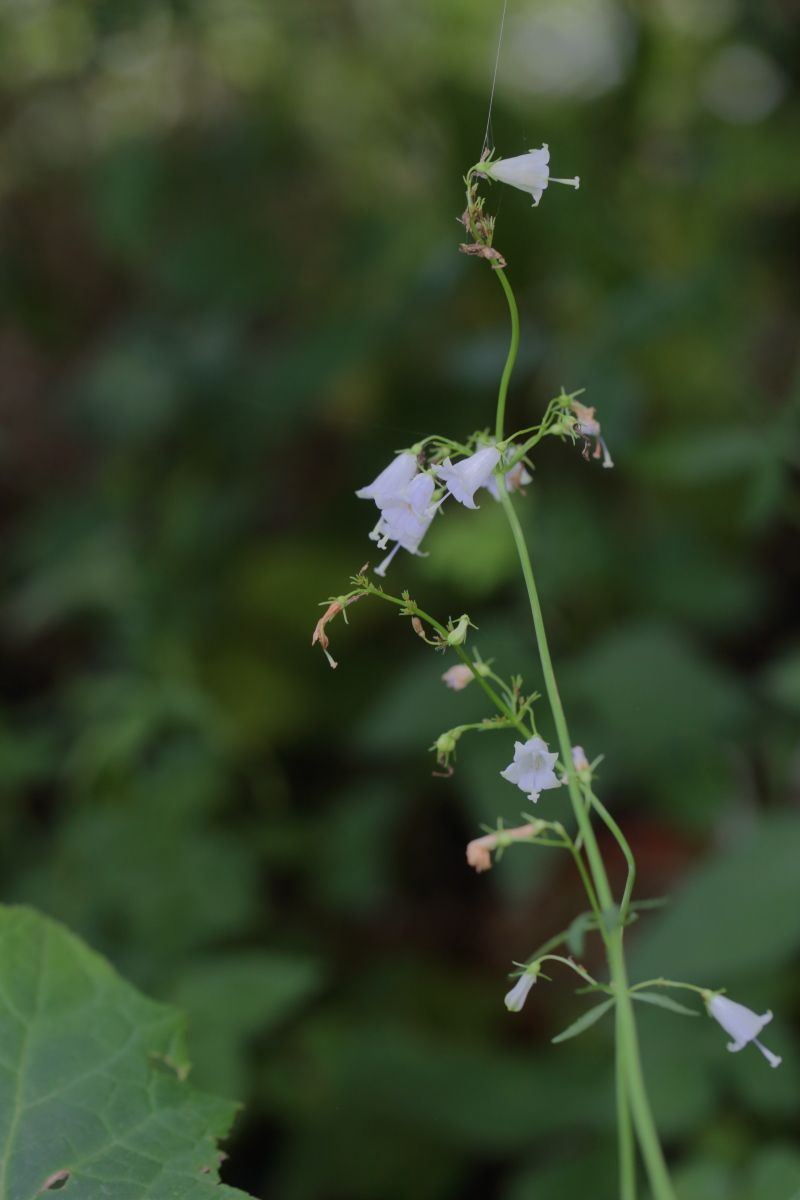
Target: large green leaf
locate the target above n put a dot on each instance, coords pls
(93, 1091)
(737, 914)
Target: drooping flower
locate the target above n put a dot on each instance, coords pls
(532, 768)
(516, 479)
(320, 635)
(529, 172)
(464, 478)
(405, 517)
(392, 479)
(515, 999)
(458, 676)
(479, 850)
(741, 1023)
(589, 426)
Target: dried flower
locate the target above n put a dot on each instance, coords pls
(479, 850)
(741, 1023)
(319, 634)
(530, 172)
(532, 768)
(464, 478)
(589, 426)
(458, 676)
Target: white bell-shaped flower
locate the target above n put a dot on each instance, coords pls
(529, 172)
(742, 1024)
(532, 768)
(405, 517)
(464, 478)
(392, 479)
(515, 999)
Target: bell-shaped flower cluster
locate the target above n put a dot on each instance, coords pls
(408, 499)
(405, 499)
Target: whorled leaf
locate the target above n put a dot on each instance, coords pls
(94, 1098)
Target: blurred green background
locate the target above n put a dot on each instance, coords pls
(232, 289)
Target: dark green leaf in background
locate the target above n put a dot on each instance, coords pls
(93, 1079)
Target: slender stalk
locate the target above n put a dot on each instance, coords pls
(512, 355)
(669, 983)
(512, 717)
(631, 1094)
(587, 884)
(624, 846)
(625, 1143)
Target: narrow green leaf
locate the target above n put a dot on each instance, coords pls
(665, 1002)
(651, 902)
(585, 1021)
(93, 1091)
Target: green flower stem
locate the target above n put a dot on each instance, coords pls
(505, 709)
(628, 1056)
(670, 983)
(573, 966)
(512, 355)
(587, 883)
(625, 1144)
(624, 846)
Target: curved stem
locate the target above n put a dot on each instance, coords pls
(668, 983)
(569, 962)
(624, 846)
(587, 884)
(511, 358)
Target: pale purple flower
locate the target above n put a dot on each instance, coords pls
(392, 479)
(405, 517)
(464, 478)
(532, 768)
(529, 172)
(579, 760)
(515, 999)
(742, 1024)
(458, 676)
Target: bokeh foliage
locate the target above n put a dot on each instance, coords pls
(232, 289)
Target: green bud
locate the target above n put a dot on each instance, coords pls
(458, 632)
(445, 744)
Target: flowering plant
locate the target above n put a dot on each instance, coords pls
(418, 487)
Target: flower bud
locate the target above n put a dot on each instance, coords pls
(515, 999)
(458, 632)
